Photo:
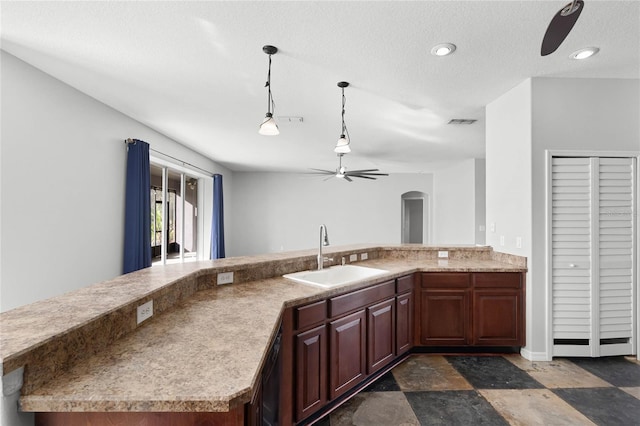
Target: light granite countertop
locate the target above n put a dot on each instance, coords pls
(205, 352)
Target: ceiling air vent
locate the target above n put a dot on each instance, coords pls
(462, 121)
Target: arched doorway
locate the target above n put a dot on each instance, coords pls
(415, 218)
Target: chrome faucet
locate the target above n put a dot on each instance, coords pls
(324, 241)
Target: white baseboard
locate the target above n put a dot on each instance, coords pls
(535, 356)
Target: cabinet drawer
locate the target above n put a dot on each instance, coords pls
(497, 279)
(310, 314)
(445, 279)
(405, 284)
(348, 302)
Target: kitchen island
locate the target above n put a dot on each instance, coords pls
(204, 348)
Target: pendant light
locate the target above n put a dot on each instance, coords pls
(342, 147)
(269, 126)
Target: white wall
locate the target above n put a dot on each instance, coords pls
(480, 200)
(454, 204)
(63, 179)
(508, 179)
(283, 211)
(547, 114)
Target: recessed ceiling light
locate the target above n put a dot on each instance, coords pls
(443, 49)
(585, 53)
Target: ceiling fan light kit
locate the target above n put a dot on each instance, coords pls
(269, 126)
(342, 173)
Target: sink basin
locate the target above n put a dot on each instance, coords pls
(335, 275)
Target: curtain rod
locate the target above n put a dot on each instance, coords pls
(133, 141)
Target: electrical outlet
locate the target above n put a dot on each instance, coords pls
(502, 240)
(364, 256)
(225, 278)
(145, 311)
(443, 254)
(353, 258)
(518, 242)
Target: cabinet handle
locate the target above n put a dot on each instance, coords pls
(573, 265)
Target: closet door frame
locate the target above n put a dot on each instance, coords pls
(548, 237)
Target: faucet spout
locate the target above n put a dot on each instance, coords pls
(324, 241)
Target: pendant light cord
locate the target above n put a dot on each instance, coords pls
(271, 105)
(345, 131)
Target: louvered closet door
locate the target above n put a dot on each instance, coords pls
(593, 250)
(616, 250)
(571, 255)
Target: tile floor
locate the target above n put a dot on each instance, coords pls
(498, 390)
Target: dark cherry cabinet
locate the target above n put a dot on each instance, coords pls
(253, 414)
(480, 309)
(404, 323)
(381, 332)
(311, 371)
(337, 343)
(444, 309)
(498, 309)
(444, 319)
(347, 353)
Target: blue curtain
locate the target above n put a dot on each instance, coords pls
(217, 225)
(137, 222)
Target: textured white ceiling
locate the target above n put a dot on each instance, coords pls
(195, 71)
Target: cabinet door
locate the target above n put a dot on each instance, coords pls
(254, 408)
(347, 353)
(404, 323)
(311, 371)
(381, 323)
(498, 318)
(444, 317)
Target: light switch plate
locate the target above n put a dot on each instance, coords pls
(443, 254)
(502, 240)
(225, 278)
(145, 311)
(364, 256)
(518, 242)
(353, 258)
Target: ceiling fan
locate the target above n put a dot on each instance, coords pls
(560, 26)
(342, 173)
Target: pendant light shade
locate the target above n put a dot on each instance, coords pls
(269, 126)
(342, 147)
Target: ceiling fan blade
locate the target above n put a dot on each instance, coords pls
(323, 172)
(560, 27)
(368, 174)
(347, 178)
(363, 171)
(362, 177)
(327, 178)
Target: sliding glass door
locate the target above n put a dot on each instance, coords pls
(174, 211)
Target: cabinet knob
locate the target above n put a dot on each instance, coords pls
(573, 265)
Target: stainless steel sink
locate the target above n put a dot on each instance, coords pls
(335, 275)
